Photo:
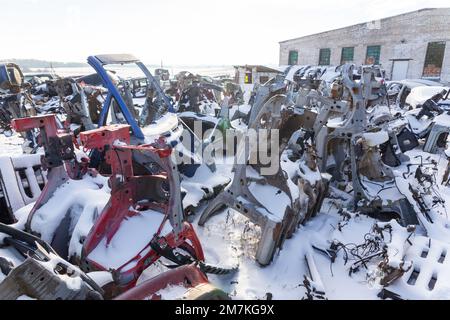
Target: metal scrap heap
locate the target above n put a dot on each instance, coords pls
(126, 183)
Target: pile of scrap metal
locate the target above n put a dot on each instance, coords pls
(78, 101)
(144, 198)
(78, 104)
(154, 117)
(342, 130)
(324, 136)
(360, 140)
(143, 189)
(196, 93)
(15, 99)
(295, 180)
(35, 79)
(326, 132)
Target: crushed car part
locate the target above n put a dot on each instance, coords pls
(407, 140)
(437, 138)
(387, 294)
(75, 102)
(27, 171)
(15, 99)
(315, 289)
(43, 275)
(417, 262)
(35, 280)
(430, 107)
(197, 94)
(276, 226)
(59, 159)
(196, 284)
(163, 74)
(149, 201)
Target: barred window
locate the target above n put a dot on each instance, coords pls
(324, 57)
(293, 57)
(373, 55)
(433, 59)
(347, 54)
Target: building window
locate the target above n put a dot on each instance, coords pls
(373, 55)
(293, 57)
(347, 54)
(433, 59)
(248, 78)
(324, 57)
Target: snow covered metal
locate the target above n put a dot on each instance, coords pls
(149, 200)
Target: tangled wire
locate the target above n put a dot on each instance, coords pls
(373, 246)
(360, 254)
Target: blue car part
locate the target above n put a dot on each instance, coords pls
(98, 62)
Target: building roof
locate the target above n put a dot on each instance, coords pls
(259, 68)
(365, 23)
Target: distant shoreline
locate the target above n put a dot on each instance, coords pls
(129, 71)
(26, 64)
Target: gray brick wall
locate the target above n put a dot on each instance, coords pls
(404, 36)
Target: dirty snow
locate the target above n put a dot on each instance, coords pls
(10, 146)
(172, 292)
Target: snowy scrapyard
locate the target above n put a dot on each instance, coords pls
(362, 215)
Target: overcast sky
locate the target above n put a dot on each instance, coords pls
(178, 32)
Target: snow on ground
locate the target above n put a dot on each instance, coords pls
(229, 239)
(172, 292)
(335, 277)
(10, 146)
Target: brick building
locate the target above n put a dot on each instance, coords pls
(409, 45)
